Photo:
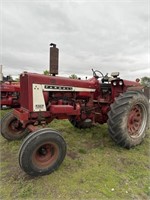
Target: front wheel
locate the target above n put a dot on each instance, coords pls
(128, 118)
(42, 152)
(11, 128)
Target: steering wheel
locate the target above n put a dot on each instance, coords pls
(95, 74)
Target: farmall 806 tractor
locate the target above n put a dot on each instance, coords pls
(101, 99)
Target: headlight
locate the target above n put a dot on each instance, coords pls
(120, 82)
(114, 83)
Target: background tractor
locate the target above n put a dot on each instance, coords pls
(101, 99)
(9, 91)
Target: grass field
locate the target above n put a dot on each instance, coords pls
(95, 168)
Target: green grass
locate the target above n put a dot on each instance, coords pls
(95, 168)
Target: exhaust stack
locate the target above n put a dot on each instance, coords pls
(54, 55)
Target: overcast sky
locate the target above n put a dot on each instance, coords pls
(107, 35)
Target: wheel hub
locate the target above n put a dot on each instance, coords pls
(42, 151)
(45, 155)
(15, 126)
(136, 121)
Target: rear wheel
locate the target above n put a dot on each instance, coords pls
(128, 118)
(11, 128)
(42, 152)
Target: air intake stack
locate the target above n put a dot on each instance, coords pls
(54, 55)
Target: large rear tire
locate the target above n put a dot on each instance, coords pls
(11, 128)
(128, 119)
(42, 152)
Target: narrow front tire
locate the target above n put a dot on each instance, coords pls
(11, 128)
(42, 152)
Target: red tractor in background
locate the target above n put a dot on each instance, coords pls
(9, 91)
(101, 99)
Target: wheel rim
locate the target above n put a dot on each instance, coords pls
(45, 155)
(137, 120)
(15, 127)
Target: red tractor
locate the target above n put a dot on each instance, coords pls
(119, 103)
(10, 92)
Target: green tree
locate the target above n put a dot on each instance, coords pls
(145, 81)
(46, 72)
(73, 76)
